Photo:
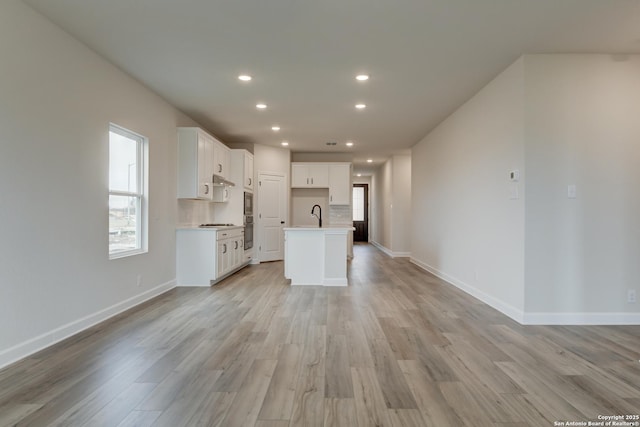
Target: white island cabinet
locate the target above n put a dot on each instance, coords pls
(316, 256)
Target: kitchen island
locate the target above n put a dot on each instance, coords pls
(316, 255)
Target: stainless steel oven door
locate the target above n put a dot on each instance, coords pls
(248, 203)
(248, 232)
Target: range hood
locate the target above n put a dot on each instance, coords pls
(220, 181)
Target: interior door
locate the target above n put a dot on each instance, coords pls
(272, 208)
(361, 212)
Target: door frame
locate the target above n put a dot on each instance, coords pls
(257, 235)
(367, 202)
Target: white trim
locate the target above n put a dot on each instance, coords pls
(402, 254)
(501, 306)
(382, 248)
(33, 345)
(389, 252)
(525, 318)
(581, 319)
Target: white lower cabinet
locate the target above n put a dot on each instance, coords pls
(230, 250)
(206, 255)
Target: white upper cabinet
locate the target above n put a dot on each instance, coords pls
(340, 183)
(309, 175)
(248, 171)
(221, 159)
(195, 164)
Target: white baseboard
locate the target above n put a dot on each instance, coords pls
(525, 318)
(33, 345)
(581, 319)
(501, 306)
(389, 252)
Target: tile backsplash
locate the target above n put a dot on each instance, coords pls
(340, 215)
(194, 212)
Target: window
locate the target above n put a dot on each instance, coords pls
(127, 193)
(358, 203)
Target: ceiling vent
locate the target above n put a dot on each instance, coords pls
(331, 143)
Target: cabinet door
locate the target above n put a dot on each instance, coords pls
(237, 248)
(221, 194)
(248, 171)
(221, 159)
(319, 175)
(226, 161)
(340, 184)
(299, 175)
(220, 258)
(205, 165)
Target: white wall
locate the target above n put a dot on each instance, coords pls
(401, 205)
(274, 160)
(381, 225)
(547, 258)
(56, 101)
(391, 206)
(465, 227)
(582, 128)
(303, 199)
(322, 157)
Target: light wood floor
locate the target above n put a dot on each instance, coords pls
(396, 348)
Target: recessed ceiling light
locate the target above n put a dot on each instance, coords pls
(349, 144)
(359, 174)
(369, 160)
(360, 106)
(284, 143)
(244, 77)
(362, 77)
(261, 106)
(275, 128)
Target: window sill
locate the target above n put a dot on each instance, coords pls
(126, 254)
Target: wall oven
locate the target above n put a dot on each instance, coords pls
(248, 203)
(248, 220)
(248, 232)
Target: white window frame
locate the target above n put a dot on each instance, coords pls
(142, 169)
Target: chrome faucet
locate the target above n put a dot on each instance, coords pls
(319, 217)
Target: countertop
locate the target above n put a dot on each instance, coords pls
(219, 227)
(315, 228)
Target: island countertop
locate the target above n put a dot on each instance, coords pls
(344, 228)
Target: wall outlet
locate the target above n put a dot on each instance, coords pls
(631, 296)
(139, 281)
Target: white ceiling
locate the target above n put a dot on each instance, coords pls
(425, 58)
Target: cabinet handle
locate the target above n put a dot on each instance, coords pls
(307, 181)
(236, 242)
(206, 188)
(249, 181)
(311, 181)
(219, 168)
(331, 198)
(225, 248)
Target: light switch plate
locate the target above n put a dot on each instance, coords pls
(571, 191)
